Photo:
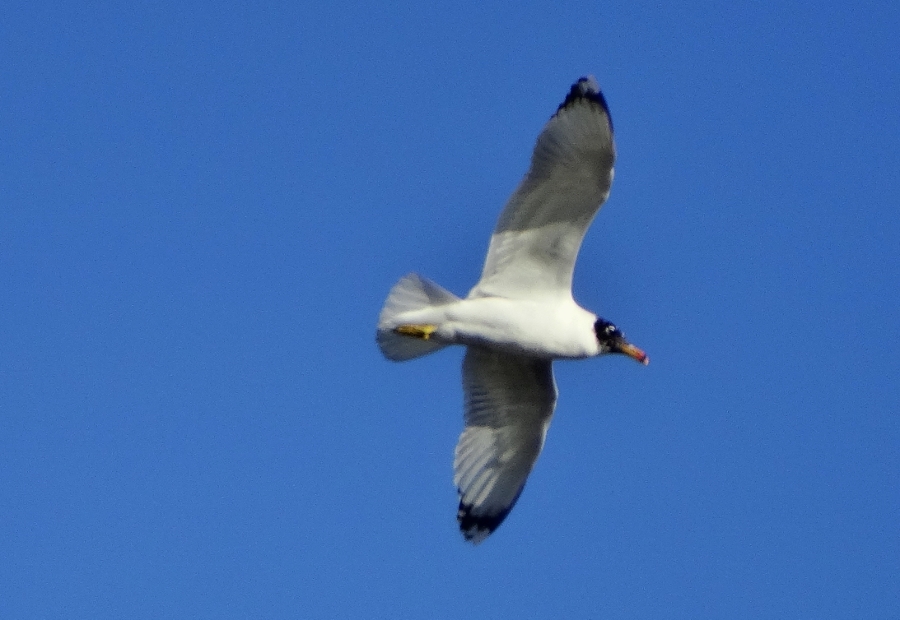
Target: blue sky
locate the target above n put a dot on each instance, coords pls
(205, 205)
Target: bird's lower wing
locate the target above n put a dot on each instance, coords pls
(536, 241)
(509, 401)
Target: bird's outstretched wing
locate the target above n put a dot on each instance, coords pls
(536, 241)
(509, 401)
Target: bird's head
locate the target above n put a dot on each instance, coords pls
(611, 340)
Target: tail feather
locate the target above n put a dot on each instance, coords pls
(412, 292)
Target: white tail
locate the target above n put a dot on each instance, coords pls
(412, 292)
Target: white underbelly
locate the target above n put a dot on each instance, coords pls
(551, 329)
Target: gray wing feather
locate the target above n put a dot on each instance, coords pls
(536, 241)
(509, 402)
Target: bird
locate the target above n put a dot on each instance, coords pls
(521, 315)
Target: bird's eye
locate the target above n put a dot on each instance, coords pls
(606, 331)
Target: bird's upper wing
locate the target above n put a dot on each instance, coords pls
(509, 401)
(536, 241)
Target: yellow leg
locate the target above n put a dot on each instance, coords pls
(416, 331)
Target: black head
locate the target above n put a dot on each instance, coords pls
(607, 334)
(611, 340)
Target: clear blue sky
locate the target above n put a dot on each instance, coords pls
(203, 207)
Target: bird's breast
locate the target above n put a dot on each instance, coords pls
(549, 329)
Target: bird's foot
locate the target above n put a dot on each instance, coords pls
(416, 331)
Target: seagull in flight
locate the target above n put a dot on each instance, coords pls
(521, 315)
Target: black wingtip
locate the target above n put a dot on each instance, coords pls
(474, 527)
(586, 89)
